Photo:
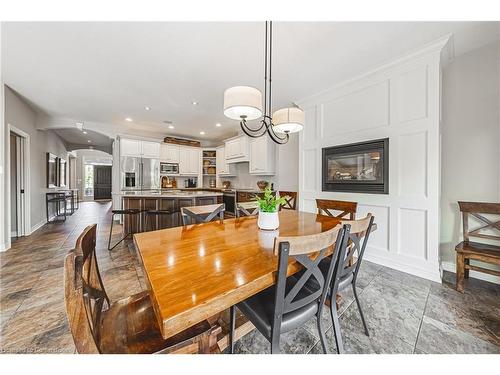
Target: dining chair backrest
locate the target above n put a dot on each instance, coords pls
(247, 209)
(94, 296)
(327, 207)
(357, 237)
(202, 214)
(309, 251)
(291, 200)
(75, 308)
(488, 227)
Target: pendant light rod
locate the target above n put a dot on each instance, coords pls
(287, 121)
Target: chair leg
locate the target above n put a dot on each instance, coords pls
(336, 328)
(232, 323)
(275, 345)
(460, 272)
(321, 333)
(466, 270)
(111, 232)
(359, 308)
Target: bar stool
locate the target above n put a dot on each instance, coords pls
(133, 212)
(151, 215)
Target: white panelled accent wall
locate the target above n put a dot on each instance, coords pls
(399, 101)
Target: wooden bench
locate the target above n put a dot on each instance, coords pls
(489, 229)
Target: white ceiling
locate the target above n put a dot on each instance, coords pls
(105, 72)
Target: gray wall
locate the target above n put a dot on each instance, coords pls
(19, 114)
(470, 139)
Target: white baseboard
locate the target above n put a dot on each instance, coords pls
(3, 247)
(35, 227)
(433, 275)
(451, 267)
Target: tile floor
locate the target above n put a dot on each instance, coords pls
(405, 314)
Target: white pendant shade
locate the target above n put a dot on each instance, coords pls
(242, 102)
(288, 120)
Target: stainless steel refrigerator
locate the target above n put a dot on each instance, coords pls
(139, 173)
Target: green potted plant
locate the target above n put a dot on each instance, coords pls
(268, 210)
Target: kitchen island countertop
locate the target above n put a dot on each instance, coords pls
(170, 194)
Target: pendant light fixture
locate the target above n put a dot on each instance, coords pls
(244, 103)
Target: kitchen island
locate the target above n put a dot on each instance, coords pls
(171, 201)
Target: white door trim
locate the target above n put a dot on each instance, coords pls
(27, 183)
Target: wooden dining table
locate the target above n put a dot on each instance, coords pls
(196, 271)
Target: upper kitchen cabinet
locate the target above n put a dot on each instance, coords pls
(150, 150)
(262, 156)
(138, 148)
(222, 167)
(189, 161)
(237, 150)
(130, 147)
(169, 153)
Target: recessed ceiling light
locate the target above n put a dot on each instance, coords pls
(218, 125)
(89, 141)
(84, 132)
(194, 102)
(171, 126)
(147, 108)
(202, 133)
(128, 119)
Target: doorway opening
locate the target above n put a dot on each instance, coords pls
(18, 183)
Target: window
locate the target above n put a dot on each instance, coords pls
(89, 181)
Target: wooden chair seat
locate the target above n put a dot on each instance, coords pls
(481, 249)
(129, 326)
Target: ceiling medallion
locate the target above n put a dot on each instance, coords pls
(244, 103)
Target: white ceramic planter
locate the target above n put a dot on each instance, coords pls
(268, 220)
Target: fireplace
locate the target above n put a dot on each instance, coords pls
(357, 167)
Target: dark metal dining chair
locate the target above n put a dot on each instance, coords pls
(247, 209)
(290, 304)
(151, 216)
(346, 270)
(202, 214)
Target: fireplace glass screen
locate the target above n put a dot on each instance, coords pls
(360, 167)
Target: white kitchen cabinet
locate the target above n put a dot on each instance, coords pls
(150, 150)
(169, 153)
(189, 161)
(130, 147)
(138, 148)
(237, 150)
(223, 168)
(262, 156)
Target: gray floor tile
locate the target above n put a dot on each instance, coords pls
(437, 337)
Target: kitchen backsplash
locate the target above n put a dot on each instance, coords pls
(244, 179)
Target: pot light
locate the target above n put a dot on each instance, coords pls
(194, 102)
(84, 132)
(218, 125)
(128, 119)
(89, 141)
(202, 133)
(171, 127)
(147, 108)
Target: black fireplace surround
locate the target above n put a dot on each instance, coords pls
(358, 167)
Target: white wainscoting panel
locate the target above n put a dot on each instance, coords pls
(412, 94)
(413, 233)
(343, 115)
(399, 101)
(412, 164)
